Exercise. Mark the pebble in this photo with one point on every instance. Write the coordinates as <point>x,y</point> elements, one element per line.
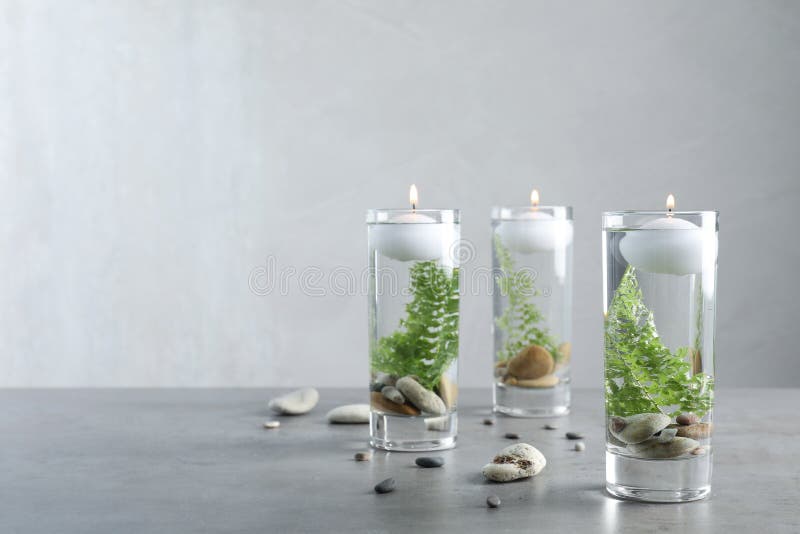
<point>637,428</point>
<point>297,402</point>
<point>574,435</point>
<point>531,362</point>
<point>427,401</point>
<point>382,404</point>
<point>349,414</point>
<point>493,501</point>
<point>363,456</point>
<point>448,391</point>
<point>667,435</point>
<point>385,486</point>
<point>686,419</point>
<point>520,460</point>
<point>653,448</point>
<point>386,379</point>
<point>511,435</point>
<point>580,446</point>
<point>429,461</point>
<point>695,431</point>
<point>488,422</point>
<point>439,424</point>
<point>272,424</point>
<point>546,381</point>
<point>393,394</point>
<point>614,441</point>
<point>698,451</point>
<point>551,426</point>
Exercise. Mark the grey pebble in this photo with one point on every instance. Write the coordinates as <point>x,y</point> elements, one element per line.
<point>667,435</point>
<point>429,461</point>
<point>574,435</point>
<point>425,400</point>
<point>493,501</point>
<point>385,486</point>
<point>550,426</point>
<point>638,427</point>
<point>512,435</point>
<point>580,446</point>
<point>393,394</point>
<point>386,379</point>
<point>363,456</point>
<point>488,422</point>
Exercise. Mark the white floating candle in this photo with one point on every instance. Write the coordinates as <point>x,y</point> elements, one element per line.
<point>665,246</point>
<point>410,236</point>
<point>537,232</point>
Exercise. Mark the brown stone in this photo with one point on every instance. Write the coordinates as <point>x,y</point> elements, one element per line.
<point>697,361</point>
<point>382,404</point>
<point>448,391</point>
<point>686,419</point>
<point>695,431</point>
<point>531,362</point>
<point>617,424</point>
<point>510,380</point>
<point>546,381</point>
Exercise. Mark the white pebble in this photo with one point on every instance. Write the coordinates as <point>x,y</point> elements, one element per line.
<point>440,424</point>
<point>272,424</point>
<point>580,446</point>
<point>515,461</point>
<point>349,414</point>
<point>296,402</point>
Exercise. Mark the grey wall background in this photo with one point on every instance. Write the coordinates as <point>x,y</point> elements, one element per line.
<point>152,154</point>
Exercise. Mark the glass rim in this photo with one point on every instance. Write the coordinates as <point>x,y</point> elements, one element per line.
<point>516,213</point>
<point>660,212</point>
<point>447,215</point>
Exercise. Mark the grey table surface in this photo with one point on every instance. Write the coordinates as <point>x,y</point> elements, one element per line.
<point>200,461</point>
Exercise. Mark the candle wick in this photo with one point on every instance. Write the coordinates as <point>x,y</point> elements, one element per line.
<point>413,207</point>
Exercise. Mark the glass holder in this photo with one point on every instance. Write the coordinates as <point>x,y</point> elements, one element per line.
<point>532,310</point>
<point>659,303</point>
<point>413,328</point>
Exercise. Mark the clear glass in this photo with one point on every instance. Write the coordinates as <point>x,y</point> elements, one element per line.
<point>660,273</point>
<point>532,303</point>
<point>413,328</point>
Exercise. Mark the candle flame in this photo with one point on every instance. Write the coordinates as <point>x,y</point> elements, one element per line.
<point>413,196</point>
<point>535,198</point>
<point>670,203</point>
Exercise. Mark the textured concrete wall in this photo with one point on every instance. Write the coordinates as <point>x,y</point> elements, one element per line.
<point>153,154</point>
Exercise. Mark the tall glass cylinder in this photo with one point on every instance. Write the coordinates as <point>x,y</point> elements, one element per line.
<point>413,328</point>
<point>532,271</point>
<point>660,274</point>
